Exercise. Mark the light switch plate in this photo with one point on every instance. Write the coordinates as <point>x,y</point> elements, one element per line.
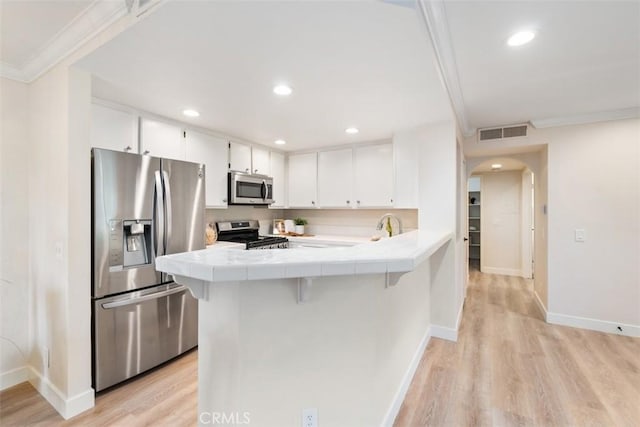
<point>580,235</point>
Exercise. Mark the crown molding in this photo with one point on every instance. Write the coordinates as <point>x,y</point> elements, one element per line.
<point>433,15</point>
<point>95,18</point>
<point>601,116</point>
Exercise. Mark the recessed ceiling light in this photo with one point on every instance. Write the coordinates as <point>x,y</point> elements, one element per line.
<point>496,166</point>
<point>520,38</point>
<point>282,90</point>
<point>190,113</point>
<point>279,142</point>
<point>351,131</point>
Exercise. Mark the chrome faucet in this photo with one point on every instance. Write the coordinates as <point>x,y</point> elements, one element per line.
<point>388,215</point>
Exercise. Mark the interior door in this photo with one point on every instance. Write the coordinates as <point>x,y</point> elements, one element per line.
<point>184,190</point>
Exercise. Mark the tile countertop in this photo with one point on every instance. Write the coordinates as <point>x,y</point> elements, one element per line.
<point>398,254</point>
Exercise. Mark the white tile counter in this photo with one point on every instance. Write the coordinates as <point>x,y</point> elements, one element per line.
<point>392,255</point>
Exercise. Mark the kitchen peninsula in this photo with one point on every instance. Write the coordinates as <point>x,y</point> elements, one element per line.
<point>340,330</point>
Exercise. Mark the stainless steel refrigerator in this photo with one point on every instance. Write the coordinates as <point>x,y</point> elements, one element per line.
<point>142,207</point>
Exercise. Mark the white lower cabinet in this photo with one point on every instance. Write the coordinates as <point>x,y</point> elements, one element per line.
<point>159,139</point>
<point>303,169</point>
<point>113,129</point>
<point>373,175</point>
<point>277,168</point>
<point>335,178</point>
<point>213,152</point>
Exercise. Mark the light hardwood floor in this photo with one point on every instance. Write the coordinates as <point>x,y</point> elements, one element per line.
<point>163,397</point>
<point>510,368</point>
<point>507,368</point>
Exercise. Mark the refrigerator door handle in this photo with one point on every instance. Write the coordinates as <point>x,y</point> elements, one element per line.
<point>159,216</point>
<point>155,295</point>
<point>167,190</point>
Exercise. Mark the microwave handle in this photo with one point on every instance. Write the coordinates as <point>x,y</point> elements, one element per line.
<point>264,189</point>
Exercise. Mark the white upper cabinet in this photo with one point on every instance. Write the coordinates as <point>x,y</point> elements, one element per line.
<point>213,152</point>
<point>160,139</point>
<point>373,172</point>
<point>113,129</point>
<point>302,180</point>
<point>335,178</point>
<point>239,157</point>
<point>260,161</point>
<point>277,168</point>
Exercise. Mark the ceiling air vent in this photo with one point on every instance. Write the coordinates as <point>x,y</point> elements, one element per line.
<point>501,133</point>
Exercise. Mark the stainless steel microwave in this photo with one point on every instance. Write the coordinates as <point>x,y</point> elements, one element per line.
<point>250,189</point>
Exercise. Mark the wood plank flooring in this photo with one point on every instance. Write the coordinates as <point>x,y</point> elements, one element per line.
<point>167,396</point>
<point>510,368</point>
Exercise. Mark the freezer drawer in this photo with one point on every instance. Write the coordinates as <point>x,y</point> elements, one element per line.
<point>139,330</point>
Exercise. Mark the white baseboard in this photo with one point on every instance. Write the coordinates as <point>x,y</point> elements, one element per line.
<point>540,305</point>
<point>398,398</point>
<point>459,319</point>
<point>13,377</point>
<point>593,324</point>
<point>67,407</point>
<point>445,333</point>
<point>502,271</point>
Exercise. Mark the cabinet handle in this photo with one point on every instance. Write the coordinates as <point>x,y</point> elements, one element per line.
<point>391,200</point>
<point>358,201</point>
<point>313,202</point>
<point>255,171</point>
<point>127,148</point>
<point>146,152</point>
<point>224,200</point>
<point>348,201</point>
<point>247,170</point>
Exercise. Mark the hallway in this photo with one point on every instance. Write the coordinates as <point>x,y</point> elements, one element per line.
<point>511,368</point>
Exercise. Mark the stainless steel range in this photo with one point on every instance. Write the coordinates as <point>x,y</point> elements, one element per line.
<point>247,232</point>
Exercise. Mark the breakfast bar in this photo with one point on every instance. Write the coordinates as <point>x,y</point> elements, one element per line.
<point>335,330</point>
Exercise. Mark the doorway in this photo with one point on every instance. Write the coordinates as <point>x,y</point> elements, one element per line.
<point>500,218</point>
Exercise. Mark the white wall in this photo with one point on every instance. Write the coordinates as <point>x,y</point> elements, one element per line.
<point>14,232</point>
<point>540,272</point>
<point>500,227</point>
<point>594,184</point>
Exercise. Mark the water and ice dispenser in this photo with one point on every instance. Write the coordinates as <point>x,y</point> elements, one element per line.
<point>130,243</point>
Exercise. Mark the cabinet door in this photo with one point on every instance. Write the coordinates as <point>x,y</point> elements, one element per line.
<point>213,152</point>
<point>277,172</point>
<point>239,157</point>
<point>335,178</point>
<point>374,175</point>
<point>160,139</point>
<point>260,161</point>
<point>302,180</point>
<point>113,129</point>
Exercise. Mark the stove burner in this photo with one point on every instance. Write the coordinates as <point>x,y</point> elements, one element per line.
<point>247,232</point>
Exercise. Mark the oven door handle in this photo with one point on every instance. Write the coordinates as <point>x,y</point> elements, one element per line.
<point>263,189</point>
<point>155,295</point>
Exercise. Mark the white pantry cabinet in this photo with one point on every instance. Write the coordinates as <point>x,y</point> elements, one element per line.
<point>161,139</point>
<point>277,167</point>
<point>113,129</point>
<point>260,161</point>
<point>239,157</point>
<point>335,178</point>
<point>213,152</point>
<point>303,180</point>
<point>373,175</point>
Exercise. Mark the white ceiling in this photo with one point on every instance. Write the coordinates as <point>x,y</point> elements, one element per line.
<point>368,64</point>
<point>26,27</point>
<point>508,164</point>
<point>585,59</point>
<point>362,64</point>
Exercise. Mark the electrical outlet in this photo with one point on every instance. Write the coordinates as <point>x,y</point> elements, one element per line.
<point>310,417</point>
